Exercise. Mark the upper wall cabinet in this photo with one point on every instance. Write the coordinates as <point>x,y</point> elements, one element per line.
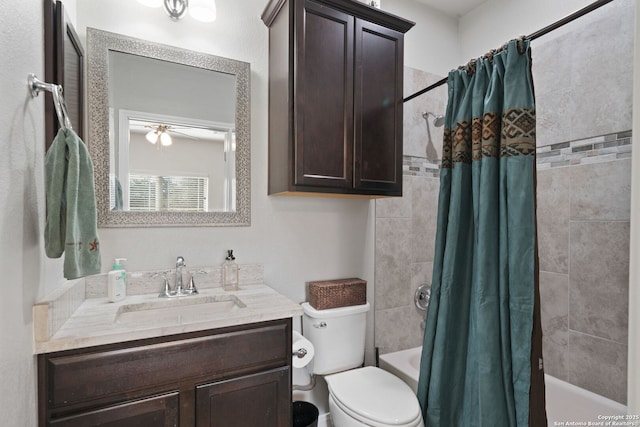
<point>335,98</point>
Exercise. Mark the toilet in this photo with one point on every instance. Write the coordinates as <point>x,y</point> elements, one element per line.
<point>358,396</point>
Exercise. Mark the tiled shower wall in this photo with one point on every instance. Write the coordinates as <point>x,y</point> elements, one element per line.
<point>583,230</point>
<point>405,226</point>
<point>582,77</point>
<point>583,81</point>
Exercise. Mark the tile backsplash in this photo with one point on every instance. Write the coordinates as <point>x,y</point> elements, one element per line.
<point>147,282</point>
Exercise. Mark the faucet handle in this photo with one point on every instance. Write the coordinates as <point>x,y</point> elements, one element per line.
<point>166,291</point>
<point>180,262</point>
<point>191,289</point>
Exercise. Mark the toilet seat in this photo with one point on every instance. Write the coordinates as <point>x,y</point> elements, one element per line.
<point>375,397</point>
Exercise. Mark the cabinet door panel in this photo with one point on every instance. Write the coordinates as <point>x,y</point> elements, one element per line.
<point>378,108</point>
<point>323,115</point>
<point>262,399</point>
<point>158,411</point>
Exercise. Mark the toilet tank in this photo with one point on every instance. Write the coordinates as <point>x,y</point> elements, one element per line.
<point>337,335</point>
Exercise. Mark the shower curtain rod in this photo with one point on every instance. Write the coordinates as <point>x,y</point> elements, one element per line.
<point>578,14</point>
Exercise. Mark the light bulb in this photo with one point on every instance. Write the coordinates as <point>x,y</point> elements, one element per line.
<point>165,139</point>
<point>203,10</point>
<point>152,136</point>
<point>151,3</point>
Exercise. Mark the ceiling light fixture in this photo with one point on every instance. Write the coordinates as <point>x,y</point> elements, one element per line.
<point>165,139</point>
<point>201,10</point>
<point>152,136</point>
<point>159,132</point>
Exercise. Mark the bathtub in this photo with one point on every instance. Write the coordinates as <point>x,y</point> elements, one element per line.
<point>565,402</point>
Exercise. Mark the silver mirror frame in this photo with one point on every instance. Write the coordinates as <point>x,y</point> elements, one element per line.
<point>99,43</point>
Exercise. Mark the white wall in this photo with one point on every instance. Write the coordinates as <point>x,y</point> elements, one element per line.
<point>432,44</point>
<point>28,274</point>
<point>495,22</point>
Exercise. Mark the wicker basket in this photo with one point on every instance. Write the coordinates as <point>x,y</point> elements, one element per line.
<point>337,293</point>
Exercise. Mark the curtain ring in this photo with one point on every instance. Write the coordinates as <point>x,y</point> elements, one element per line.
<point>520,44</point>
<point>489,55</point>
<point>471,67</point>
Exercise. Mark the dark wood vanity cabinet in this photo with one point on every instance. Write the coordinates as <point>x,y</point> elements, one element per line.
<point>335,98</point>
<point>237,376</point>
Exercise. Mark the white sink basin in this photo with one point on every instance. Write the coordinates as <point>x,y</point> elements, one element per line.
<point>179,311</point>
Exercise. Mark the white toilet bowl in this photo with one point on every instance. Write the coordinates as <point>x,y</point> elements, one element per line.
<point>358,397</point>
<point>372,397</point>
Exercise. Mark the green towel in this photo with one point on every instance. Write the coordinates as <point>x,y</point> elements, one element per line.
<point>71,206</point>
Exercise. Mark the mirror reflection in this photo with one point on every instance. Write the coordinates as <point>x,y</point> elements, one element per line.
<point>174,141</point>
<point>169,131</point>
<point>150,175</point>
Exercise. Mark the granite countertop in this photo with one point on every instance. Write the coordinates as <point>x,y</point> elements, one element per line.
<point>97,321</point>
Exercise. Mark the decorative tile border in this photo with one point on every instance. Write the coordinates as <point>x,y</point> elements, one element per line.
<point>420,166</point>
<point>585,151</point>
<point>597,149</point>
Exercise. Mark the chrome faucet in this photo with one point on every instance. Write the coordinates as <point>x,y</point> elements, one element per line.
<point>178,290</point>
<point>180,264</point>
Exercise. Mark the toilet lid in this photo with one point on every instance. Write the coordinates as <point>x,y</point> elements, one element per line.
<point>372,394</point>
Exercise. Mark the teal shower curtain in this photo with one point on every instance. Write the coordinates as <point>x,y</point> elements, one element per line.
<point>481,360</point>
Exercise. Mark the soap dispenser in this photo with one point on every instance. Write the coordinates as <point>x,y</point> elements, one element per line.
<point>117,281</point>
<point>230,272</point>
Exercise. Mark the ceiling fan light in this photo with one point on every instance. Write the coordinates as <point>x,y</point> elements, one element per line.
<point>165,139</point>
<point>152,136</point>
<point>203,10</point>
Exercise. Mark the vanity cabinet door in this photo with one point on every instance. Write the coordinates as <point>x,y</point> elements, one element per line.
<point>262,399</point>
<point>158,411</point>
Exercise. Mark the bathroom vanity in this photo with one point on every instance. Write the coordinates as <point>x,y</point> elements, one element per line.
<point>236,376</point>
<point>213,359</point>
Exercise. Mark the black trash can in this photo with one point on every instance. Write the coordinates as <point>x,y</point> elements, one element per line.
<point>305,414</point>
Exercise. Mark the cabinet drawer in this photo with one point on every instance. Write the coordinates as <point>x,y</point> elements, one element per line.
<point>158,411</point>
<point>126,370</point>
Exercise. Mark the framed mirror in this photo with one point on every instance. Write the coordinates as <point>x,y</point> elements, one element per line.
<point>169,134</point>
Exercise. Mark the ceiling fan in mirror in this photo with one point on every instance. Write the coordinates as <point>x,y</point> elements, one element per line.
<point>161,132</point>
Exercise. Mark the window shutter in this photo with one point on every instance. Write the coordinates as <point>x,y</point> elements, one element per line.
<point>168,193</point>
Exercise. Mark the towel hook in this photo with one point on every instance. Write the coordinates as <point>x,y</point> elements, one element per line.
<point>36,86</point>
